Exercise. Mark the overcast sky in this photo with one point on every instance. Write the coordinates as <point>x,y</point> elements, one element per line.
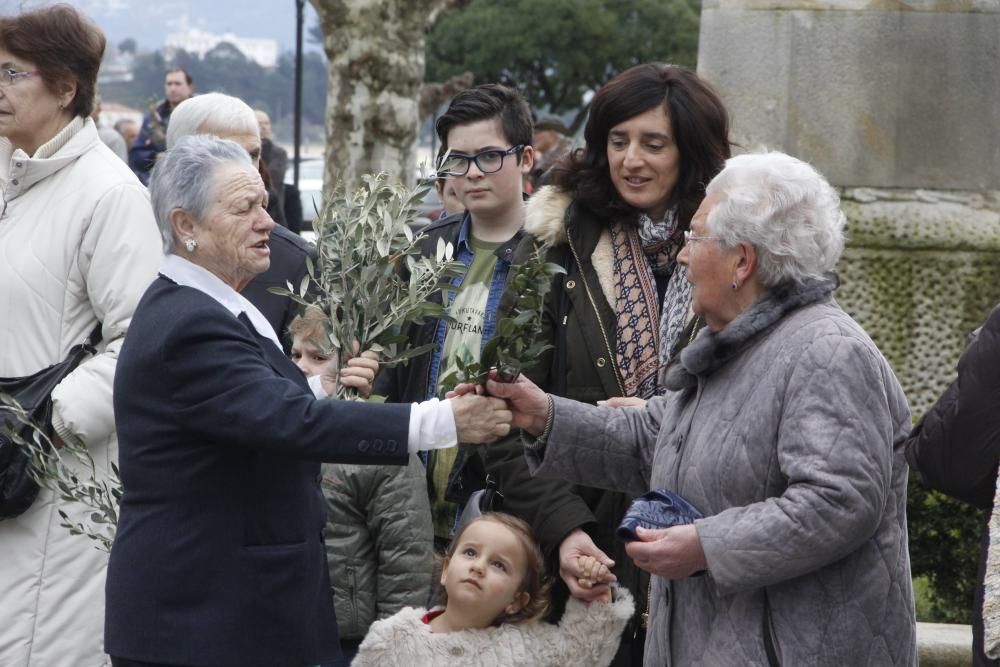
<point>149,21</point>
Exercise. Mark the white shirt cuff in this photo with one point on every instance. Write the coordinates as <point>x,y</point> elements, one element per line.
<point>432,426</point>
<point>316,384</point>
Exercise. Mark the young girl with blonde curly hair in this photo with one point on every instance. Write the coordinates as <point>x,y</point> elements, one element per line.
<point>494,594</point>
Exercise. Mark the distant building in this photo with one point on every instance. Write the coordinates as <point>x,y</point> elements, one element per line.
<point>197,42</point>
<point>116,68</point>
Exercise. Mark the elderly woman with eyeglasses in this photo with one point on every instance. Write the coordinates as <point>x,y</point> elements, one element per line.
<point>783,425</point>
<point>78,245</point>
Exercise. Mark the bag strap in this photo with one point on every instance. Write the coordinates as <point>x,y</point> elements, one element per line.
<point>95,336</point>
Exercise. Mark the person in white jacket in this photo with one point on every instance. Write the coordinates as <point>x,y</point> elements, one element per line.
<point>78,246</point>
<point>495,593</point>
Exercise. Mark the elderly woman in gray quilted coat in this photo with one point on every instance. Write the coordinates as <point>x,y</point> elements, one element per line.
<point>784,427</point>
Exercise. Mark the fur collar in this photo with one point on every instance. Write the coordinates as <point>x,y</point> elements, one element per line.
<point>713,349</point>
<point>545,215</point>
<point>545,219</point>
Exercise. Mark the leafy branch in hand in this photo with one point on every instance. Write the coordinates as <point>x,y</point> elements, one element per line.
<point>70,471</point>
<point>370,278</point>
<point>515,345</point>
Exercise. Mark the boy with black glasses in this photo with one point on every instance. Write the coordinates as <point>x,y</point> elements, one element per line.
<point>486,133</point>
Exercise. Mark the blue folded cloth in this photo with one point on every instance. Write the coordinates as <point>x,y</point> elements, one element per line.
<point>657,509</point>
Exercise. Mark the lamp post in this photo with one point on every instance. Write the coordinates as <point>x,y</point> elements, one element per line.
<point>299,10</point>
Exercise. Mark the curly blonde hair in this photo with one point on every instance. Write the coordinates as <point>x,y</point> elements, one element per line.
<point>535,583</point>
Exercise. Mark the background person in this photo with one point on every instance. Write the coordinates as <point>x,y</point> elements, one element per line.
<point>378,535</point>
<point>494,593</point>
<point>228,117</point>
<point>552,144</point>
<point>784,426</point>
<point>273,156</point>
<point>955,447</point>
<point>129,130</point>
<point>78,245</point>
<point>615,220</point>
<point>178,86</point>
<point>218,557</point>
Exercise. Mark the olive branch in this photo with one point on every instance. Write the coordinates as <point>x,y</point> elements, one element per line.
<point>70,472</point>
<point>370,277</point>
<point>515,345</point>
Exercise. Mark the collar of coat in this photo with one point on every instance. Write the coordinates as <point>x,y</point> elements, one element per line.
<point>545,218</point>
<point>713,349</point>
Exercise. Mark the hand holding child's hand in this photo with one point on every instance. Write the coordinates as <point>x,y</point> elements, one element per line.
<point>592,572</point>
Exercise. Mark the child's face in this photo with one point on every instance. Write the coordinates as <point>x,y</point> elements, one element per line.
<point>486,572</point>
<point>308,357</point>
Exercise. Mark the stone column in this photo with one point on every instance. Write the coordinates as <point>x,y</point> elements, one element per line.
<point>898,103</point>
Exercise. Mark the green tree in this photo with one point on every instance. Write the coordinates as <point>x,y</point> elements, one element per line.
<point>557,51</point>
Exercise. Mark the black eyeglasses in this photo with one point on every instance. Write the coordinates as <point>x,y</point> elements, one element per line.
<point>488,162</point>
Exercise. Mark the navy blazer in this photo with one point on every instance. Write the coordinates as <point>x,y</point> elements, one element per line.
<point>218,557</point>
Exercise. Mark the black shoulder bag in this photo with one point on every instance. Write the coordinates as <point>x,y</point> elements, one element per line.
<point>34,393</point>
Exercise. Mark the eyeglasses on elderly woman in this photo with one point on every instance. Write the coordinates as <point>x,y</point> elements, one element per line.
<point>690,238</point>
<point>8,77</point>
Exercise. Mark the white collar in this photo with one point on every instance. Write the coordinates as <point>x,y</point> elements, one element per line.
<point>189,274</point>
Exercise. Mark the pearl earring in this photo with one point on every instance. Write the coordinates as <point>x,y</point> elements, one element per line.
<point>190,244</point>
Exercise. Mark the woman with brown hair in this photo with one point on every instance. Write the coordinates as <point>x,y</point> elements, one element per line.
<point>78,245</point>
<point>615,219</point>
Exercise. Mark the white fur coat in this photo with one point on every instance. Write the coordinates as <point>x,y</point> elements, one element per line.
<point>587,636</point>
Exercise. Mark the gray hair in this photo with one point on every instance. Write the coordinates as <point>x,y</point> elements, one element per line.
<point>785,209</point>
<point>211,113</point>
<point>184,177</point>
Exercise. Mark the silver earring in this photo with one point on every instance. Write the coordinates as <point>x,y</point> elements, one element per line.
<point>734,284</point>
<point>191,244</point>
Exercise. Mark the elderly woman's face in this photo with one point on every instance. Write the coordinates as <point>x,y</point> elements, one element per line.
<point>30,113</point>
<point>233,237</point>
<point>711,270</point>
<point>644,161</point>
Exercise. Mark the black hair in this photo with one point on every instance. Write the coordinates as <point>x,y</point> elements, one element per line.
<point>485,102</point>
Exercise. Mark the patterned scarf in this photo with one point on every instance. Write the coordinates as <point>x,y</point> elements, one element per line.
<point>639,252</point>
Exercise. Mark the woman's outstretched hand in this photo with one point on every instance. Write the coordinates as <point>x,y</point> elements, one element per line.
<point>528,404</point>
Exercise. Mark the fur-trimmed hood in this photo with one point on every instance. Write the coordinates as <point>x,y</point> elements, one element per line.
<point>545,215</point>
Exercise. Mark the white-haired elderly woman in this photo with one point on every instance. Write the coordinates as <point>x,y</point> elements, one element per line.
<point>218,558</point>
<point>783,426</point>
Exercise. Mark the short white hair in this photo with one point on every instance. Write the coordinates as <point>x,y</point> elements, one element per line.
<point>184,177</point>
<point>785,209</point>
<point>211,113</point>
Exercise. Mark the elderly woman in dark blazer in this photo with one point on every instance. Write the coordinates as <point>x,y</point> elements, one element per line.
<point>783,425</point>
<point>219,558</point>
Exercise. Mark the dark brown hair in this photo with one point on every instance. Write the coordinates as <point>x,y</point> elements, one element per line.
<point>535,583</point>
<point>699,124</point>
<point>63,44</point>
<point>486,102</point>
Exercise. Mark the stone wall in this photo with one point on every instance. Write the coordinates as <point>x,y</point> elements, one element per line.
<point>898,103</point>
<point>921,271</point>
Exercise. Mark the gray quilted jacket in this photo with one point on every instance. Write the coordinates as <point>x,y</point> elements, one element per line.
<point>786,430</point>
<point>379,541</point>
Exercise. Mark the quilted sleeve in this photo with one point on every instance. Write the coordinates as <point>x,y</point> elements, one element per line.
<point>841,414</point>
<point>119,257</point>
<point>607,448</point>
